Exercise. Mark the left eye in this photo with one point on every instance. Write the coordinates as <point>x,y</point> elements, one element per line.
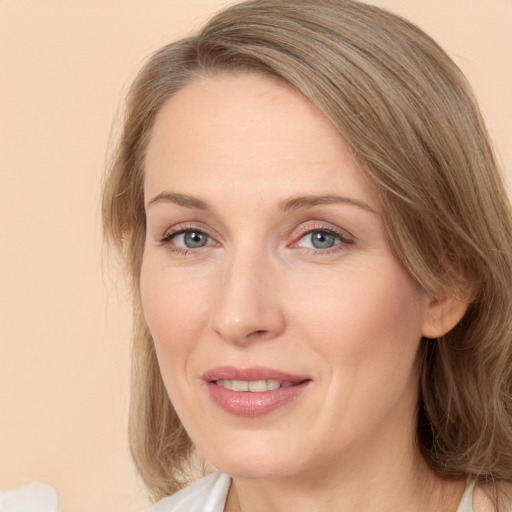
<point>319,240</point>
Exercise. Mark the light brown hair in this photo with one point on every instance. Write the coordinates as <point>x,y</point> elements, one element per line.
<point>411,120</point>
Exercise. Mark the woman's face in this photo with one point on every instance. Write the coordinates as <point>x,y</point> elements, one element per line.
<point>286,331</point>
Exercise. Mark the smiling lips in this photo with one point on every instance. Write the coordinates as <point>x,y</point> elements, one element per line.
<point>253,391</point>
<point>254,386</point>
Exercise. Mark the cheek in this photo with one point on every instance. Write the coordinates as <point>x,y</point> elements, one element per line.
<point>175,310</point>
<point>370,319</point>
<point>368,338</point>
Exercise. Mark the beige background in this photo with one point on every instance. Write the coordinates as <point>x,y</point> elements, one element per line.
<point>64,329</point>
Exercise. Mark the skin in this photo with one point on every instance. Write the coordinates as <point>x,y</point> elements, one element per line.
<point>240,148</point>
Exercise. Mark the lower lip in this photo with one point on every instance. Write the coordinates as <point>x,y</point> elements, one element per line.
<point>249,404</point>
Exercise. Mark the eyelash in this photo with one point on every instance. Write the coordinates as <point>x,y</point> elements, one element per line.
<point>168,236</point>
<point>342,237</point>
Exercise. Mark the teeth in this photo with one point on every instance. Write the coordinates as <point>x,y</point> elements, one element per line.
<point>253,386</point>
<point>240,385</point>
<point>257,385</point>
<point>273,384</point>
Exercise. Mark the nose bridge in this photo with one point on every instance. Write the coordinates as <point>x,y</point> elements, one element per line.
<point>246,306</point>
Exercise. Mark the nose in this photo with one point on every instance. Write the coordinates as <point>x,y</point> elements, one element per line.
<point>248,306</point>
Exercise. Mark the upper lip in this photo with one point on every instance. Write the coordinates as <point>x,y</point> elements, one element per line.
<point>252,373</point>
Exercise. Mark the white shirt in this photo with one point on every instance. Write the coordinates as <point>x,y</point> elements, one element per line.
<point>34,497</point>
<point>209,495</point>
<point>206,495</point>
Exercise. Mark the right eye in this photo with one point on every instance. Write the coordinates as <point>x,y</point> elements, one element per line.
<point>188,239</point>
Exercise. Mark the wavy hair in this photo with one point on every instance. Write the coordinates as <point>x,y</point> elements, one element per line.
<point>412,122</point>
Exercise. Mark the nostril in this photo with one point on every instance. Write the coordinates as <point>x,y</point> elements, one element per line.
<point>258,333</point>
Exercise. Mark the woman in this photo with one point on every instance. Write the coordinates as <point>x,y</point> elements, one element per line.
<point>319,243</point>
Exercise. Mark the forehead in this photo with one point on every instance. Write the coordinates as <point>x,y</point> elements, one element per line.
<point>246,129</point>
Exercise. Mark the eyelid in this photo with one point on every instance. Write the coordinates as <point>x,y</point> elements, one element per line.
<point>174,234</point>
<point>344,235</point>
<point>180,227</point>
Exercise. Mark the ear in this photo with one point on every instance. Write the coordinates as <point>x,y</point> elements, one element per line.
<point>442,316</point>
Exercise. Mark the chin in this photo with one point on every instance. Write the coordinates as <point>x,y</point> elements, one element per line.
<point>257,469</point>
<point>255,461</point>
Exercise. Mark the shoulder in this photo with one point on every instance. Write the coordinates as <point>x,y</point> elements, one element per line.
<point>205,495</point>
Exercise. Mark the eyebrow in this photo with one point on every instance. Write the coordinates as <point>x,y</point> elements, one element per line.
<point>308,201</point>
<point>180,199</point>
<point>293,203</point>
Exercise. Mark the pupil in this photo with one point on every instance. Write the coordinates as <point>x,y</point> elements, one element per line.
<point>321,240</point>
<point>194,239</point>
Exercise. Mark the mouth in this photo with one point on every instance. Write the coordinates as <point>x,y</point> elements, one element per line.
<point>255,386</point>
<point>254,391</point>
